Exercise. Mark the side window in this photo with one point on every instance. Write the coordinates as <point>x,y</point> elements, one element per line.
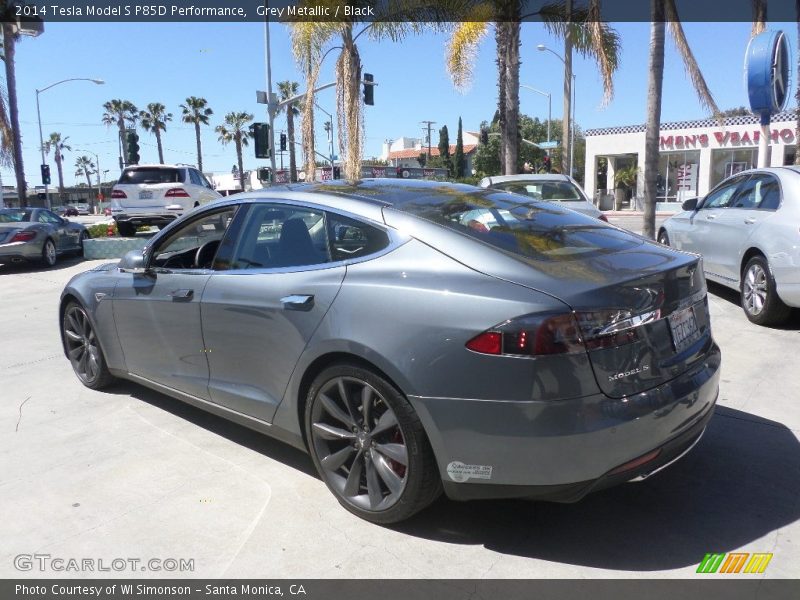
<point>280,235</point>
<point>722,196</point>
<point>194,176</point>
<point>747,196</point>
<point>769,193</point>
<point>205,182</point>
<point>194,245</point>
<point>353,239</point>
<point>47,217</point>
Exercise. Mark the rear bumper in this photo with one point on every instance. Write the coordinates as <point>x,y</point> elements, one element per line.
<point>20,251</point>
<point>562,450</point>
<point>145,218</point>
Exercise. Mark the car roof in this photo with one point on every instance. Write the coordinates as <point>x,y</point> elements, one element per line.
<point>525,177</point>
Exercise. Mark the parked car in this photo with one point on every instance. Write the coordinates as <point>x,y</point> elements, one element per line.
<point>746,229</point>
<point>37,234</point>
<point>70,211</point>
<point>82,208</point>
<point>549,187</point>
<point>407,352</point>
<point>157,195</point>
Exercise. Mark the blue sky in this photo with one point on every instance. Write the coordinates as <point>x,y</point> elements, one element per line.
<point>224,63</point>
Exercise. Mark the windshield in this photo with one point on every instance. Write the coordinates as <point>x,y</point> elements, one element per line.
<point>548,191</point>
<point>151,175</point>
<point>10,215</point>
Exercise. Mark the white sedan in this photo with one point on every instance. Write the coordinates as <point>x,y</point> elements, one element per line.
<point>748,231</point>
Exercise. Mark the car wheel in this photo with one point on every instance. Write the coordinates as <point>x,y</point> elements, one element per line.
<point>663,237</point>
<point>369,446</point>
<point>49,253</point>
<point>84,236</point>
<point>126,229</point>
<point>759,297</point>
<point>83,348</point>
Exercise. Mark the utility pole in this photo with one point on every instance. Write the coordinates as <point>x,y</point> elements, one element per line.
<point>429,124</point>
<point>271,108</point>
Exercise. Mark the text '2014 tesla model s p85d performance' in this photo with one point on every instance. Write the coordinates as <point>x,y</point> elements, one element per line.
<point>543,356</point>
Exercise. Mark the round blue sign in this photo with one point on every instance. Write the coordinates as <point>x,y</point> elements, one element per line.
<point>767,73</point>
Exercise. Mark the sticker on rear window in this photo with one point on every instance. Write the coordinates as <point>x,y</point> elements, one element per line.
<point>460,472</point>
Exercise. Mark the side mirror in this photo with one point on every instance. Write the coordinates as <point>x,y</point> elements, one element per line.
<point>690,204</point>
<point>132,262</point>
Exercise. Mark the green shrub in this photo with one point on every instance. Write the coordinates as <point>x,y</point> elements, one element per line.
<point>100,230</point>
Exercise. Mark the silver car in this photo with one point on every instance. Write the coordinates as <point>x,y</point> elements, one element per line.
<point>408,352</point>
<point>550,187</point>
<point>37,234</point>
<point>746,229</point>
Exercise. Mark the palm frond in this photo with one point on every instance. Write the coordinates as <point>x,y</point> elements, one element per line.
<point>462,50</point>
<point>759,17</point>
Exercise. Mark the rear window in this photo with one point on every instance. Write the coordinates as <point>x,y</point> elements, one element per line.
<point>14,216</point>
<point>548,191</point>
<point>146,175</point>
<point>527,229</point>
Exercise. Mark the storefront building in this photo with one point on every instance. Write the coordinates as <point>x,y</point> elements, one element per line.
<point>694,156</point>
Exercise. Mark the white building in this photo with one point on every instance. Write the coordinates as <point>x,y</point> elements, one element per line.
<point>694,155</point>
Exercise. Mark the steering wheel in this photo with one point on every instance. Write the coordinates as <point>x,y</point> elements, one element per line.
<point>204,257</point>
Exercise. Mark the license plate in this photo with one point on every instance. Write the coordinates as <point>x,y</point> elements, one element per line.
<point>684,328</point>
<point>145,195</point>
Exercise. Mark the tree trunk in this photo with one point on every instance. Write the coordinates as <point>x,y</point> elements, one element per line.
<point>566,122</point>
<point>121,126</point>
<point>60,168</point>
<point>290,128</point>
<point>502,72</point>
<point>655,82</point>
<point>9,46</point>
<point>89,183</point>
<point>199,149</point>
<point>349,106</point>
<point>239,160</point>
<point>511,133</point>
<point>158,143</point>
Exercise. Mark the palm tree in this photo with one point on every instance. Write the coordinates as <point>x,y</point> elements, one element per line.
<point>58,145</point>
<point>154,120</point>
<point>288,89</point>
<point>582,30</point>
<point>393,21</point>
<point>119,112</point>
<point>12,137</point>
<point>236,130</point>
<point>659,11</point>
<point>85,167</point>
<point>196,111</point>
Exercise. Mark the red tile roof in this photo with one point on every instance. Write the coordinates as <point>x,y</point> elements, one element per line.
<point>415,152</point>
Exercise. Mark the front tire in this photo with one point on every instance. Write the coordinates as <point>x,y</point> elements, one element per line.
<point>49,256</point>
<point>759,295</point>
<point>83,348</point>
<point>126,229</point>
<point>368,445</point>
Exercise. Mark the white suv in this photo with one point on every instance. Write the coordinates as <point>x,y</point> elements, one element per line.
<point>157,195</point>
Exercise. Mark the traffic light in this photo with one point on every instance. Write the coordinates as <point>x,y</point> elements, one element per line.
<point>283,142</point>
<point>45,174</point>
<point>484,135</point>
<point>369,89</point>
<point>261,136</point>
<point>132,147</point>
<point>264,174</point>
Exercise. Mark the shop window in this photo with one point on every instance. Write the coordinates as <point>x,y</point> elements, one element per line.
<point>727,162</point>
<point>678,175</point>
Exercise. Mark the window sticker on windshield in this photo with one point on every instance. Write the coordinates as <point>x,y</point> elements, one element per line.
<point>460,472</point>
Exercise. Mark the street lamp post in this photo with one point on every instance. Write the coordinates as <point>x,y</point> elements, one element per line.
<point>39,117</point>
<point>549,105</point>
<point>568,74</point>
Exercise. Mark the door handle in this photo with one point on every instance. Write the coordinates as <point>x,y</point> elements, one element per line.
<point>298,302</point>
<point>749,221</point>
<point>181,295</point>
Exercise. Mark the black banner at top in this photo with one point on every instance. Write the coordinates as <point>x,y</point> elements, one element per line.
<point>421,11</point>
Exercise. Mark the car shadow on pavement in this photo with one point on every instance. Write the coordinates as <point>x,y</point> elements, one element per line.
<point>741,482</point>
<point>238,434</point>
<point>732,296</point>
<point>63,262</point>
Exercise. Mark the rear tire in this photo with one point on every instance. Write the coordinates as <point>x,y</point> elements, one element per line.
<point>759,295</point>
<point>126,229</point>
<point>49,256</point>
<point>83,348</point>
<point>663,237</point>
<point>368,445</point>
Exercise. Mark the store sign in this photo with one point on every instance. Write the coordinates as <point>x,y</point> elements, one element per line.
<point>724,139</point>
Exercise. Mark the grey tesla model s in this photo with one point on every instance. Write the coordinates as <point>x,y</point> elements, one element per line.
<point>410,345</point>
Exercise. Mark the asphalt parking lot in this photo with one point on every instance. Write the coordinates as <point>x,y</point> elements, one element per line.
<point>129,473</point>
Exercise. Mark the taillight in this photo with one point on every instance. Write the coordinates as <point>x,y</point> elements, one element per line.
<point>118,194</point>
<point>561,333</point>
<point>602,217</point>
<point>23,236</point>
<point>176,193</point>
